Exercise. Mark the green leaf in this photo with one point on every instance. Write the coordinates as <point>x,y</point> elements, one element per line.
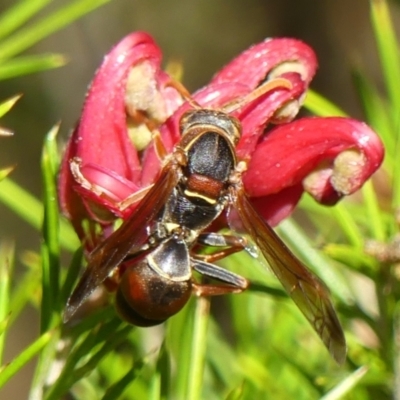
<point>261,287</point>
<point>115,391</point>
<point>9,370</point>
<point>374,214</point>
<point>31,210</point>
<point>30,64</point>
<point>90,350</point>
<point>198,349</point>
<point>47,360</point>
<point>377,112</point>
<point>26,37</point>
<point>348,224</point>
<point>51,244</point>
<point>18,14</point>
<point>346,385</point>
<point>6,263</point>
<point>353,258</point>
<point>301,245</point>
<point>6,105</point>
<point>236,394</point>
<point>388,48</point>
<point>160,386</point>
<point>26,291</point>
<point>222,357</point>
<point>321,106</point>
<point>5,172</point>
<point>179,339</point>
<point>72,275</point>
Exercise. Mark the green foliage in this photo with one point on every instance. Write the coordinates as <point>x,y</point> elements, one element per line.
<point>17,34</point>
<point>264,348</point>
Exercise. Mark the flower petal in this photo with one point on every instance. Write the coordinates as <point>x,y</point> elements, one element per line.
<point>102,133</point>
<point>276,207</point>
<point>269,59</point>
<point>283,57</point>
<point>128,87</point>
<point>288,58</point>
<point>292,151</point>
<point>279,106</point>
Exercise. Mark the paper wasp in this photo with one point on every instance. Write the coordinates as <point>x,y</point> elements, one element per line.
<point>153,252</point>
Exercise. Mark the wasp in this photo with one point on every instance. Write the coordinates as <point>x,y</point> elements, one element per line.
<point>153,252</point>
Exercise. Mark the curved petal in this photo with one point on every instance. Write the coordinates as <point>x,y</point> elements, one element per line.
<point>70,202</point>
<point>102,132</point>
<point>292,151</point>
<point>128,80</point>
<point>279,106</point>
<point>276,207</point>
<point>254,115</point>
<point>268,59</point>
<point>288,58</point>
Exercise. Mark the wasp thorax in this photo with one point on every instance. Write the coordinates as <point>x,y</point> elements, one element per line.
<point>211,120</point>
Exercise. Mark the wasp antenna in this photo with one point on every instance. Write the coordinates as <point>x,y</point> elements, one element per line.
<point>267,86</point>
<point>180,88</point>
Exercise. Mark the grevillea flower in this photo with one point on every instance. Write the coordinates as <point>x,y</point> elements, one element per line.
<point>102,167</point>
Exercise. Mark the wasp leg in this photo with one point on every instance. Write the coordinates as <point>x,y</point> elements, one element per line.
<point>235,282</point>
<point>158,144</point>
<point>140,117</point>
<point>206,290</point>
<point>134,198</point>
<point>233,243</point>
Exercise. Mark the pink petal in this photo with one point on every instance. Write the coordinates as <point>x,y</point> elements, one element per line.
<point>272,57</point>
<point>129,78</point>
<point>290,152</point>
<point>102,135</point>
<point>282,57</point>
<point>278,206</point>
<point>257,115</point>
<point>70,202</point>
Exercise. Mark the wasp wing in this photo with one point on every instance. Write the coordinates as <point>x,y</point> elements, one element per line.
<point>128,238</point>
<point>308,292</point>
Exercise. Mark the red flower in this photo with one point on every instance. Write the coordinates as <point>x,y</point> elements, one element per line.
<point>101,165</point>
<point>328,157</point>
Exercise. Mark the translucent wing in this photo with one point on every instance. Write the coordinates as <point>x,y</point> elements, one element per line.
<point>308,292</point>
<point>129,238</point>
